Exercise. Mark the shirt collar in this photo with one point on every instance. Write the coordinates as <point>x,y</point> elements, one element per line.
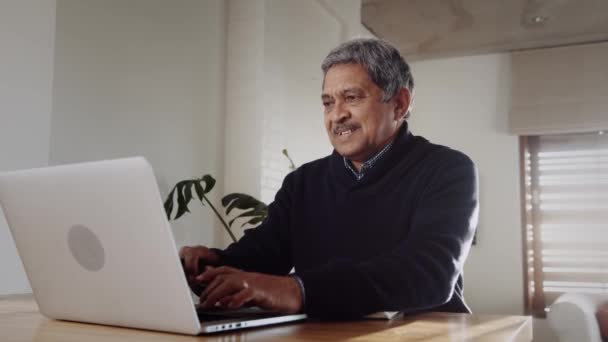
<point>368,164</point>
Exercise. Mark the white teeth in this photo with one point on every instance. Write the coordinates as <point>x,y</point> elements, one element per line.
<point>345,132</point>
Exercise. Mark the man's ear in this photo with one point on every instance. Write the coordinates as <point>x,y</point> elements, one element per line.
<point>402,103</point>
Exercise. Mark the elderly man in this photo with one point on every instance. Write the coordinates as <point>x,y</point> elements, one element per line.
<point>384,223</point>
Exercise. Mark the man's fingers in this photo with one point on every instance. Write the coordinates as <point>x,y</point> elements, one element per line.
<point>245,296</point>
<point>212,272</point>
<point>224,301</point>
<point>194,257</point>
<point>212,277</point>
<point>225,288</point>
<point>208,275</point>
<point>182,255</point>
<point>234,289</point>
<point>210,287</point>
<point>189,264</point>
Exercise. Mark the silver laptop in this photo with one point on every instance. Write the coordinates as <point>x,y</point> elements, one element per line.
<point>97,248</point>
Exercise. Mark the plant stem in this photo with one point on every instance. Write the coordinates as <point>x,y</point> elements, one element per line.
<point>292,166</point>
<point>221,219</point>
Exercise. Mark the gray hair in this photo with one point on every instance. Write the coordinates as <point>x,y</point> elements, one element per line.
<point>383,62</point>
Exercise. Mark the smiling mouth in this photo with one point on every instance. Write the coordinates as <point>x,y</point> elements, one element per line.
<point>346,133</point>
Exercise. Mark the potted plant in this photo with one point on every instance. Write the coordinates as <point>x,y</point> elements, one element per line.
<point>253,210</point>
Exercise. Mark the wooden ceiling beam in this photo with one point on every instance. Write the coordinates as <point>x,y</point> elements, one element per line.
<point>443,28</point>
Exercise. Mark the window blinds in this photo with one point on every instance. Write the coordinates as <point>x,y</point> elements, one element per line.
<point>566,227</point>
<point>559,90</point>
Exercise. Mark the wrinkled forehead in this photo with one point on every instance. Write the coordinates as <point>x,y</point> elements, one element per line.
<point>342,77</point>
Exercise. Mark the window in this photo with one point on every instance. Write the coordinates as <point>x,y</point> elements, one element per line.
<point>565,216</point>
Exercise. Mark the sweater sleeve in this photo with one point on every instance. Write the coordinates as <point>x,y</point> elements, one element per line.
<point>421,271</point>
<point>267,247</point>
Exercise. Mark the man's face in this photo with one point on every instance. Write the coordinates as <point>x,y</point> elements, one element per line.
<point>358,123</point>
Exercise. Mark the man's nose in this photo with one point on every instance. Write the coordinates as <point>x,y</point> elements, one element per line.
<point>339,113</point>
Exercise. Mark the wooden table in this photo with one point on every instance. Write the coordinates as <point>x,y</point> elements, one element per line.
<point>20,321</point>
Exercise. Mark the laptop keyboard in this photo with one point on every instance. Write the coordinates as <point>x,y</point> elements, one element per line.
<point>223,314</point>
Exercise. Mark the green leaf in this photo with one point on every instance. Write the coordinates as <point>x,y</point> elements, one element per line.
<point>169,204</point>
<point>256,216</point>
<point>188,192</point>
<point>253,208</point>
<point>199,191</point>
<point>209,182</point>
<point>242,215</point>
<point>243,202</point>
<point>182,204</point>
<point>254,221</point>
<point>229,198</point>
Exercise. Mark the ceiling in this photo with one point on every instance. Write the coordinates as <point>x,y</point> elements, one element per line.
<point>441,28</point>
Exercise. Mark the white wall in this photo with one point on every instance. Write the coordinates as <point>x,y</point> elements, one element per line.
<point>26,72</point>
<point>143,77</point>
<point>298,35</point>
<point>244,94</point>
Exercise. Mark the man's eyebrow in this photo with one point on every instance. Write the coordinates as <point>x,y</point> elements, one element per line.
<point>352,90</point>
<point>356,90</point>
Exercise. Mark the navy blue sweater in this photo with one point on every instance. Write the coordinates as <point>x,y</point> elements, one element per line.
<point>395,240</point>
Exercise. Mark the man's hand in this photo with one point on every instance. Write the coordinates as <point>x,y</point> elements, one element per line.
<point>194,259</point>
<point>232,288</point>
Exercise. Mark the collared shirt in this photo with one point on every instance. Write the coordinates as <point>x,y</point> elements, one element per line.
<point>368,163</point>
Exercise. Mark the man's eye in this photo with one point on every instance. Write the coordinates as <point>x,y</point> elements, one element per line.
<point>327,103</point>
<point>351,98</point>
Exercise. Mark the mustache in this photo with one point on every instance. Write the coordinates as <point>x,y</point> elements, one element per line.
<point>344,127</point>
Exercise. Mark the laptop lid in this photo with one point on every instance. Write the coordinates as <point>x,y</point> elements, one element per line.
<point>96,245</point>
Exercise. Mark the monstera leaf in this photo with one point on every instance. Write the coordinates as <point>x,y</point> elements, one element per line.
<point>253,209</point>
<point>183,191</point>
